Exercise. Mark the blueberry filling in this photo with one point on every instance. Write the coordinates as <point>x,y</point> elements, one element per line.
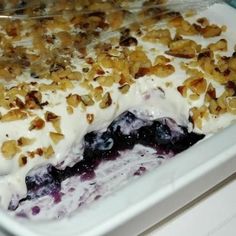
<point>164,135</point>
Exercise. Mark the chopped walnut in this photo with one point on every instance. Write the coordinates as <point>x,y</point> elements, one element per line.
<point>75,76</point>
<point>106,81</point>
<point>9,149</point>
<point>231,105</point>
<point>203,21</point>
<point>115,19</point>
<point>13,28</point>
<point>198,114</point>
<point>197,85</point>
<point>210,93</point>
<point>56,137</point>
<point>210,31</point>
<point>232,63</point>
<point>162,70</point>
<point>48,152</point>
<point>184,48</point>
<point>73,100</point>
<point>106,101</point>
<point>220,45</point>
<point>90,118</point>
<point>39,151</point>
<point>37,124</point>
<point>125,79</point>
<point>19,103</point>
<point>57,125</point>
<point>87,100</point>
<point>183,27</point>
<point>194,97</point>
<point>50,116</point>
<point>97,93</point>
<point>124,88</point>
<point>23,141</point>
<point>142,71</point>
<point>70,110</point>
<point>22,160</point>
<point>126,40</point>
<point>14,115</point>
<point>214,108</point>
<point>161,35</point>
<point>161,60</point>
<point>182,90</point>
<point>33,100</point>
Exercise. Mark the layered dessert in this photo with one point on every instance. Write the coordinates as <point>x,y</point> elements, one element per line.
<point>97,93</point>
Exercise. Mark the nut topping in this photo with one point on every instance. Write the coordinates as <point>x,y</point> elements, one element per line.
<point>50,116</point>
<point>90,118</point>
<point>87,100</point>
<point>56,137</point>
<point>22,141</point>
<point>9,149</point>
<point>37,124</point>
<point>22,160</point>
<point>14,115</point>
<point>48,152</point>
<point>75,65</point>
<point>106,101</point>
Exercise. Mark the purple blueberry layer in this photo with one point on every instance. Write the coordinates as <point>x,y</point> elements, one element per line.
<point>164,135</point>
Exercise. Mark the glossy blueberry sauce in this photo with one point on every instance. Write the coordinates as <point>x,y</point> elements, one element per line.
<point>163,135</point>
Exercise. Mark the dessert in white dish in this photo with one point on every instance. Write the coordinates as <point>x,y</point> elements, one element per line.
<point>65,78</point>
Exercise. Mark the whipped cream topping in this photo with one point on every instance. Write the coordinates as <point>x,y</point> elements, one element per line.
<point>149,96</point>
<point>144,96</point>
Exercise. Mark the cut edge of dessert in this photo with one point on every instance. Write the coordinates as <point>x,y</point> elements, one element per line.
<point>162,135</point>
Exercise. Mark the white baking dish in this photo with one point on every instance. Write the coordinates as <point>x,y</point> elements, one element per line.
<point>157,194</point>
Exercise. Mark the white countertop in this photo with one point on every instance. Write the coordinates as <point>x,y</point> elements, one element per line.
<point>213,214</point>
